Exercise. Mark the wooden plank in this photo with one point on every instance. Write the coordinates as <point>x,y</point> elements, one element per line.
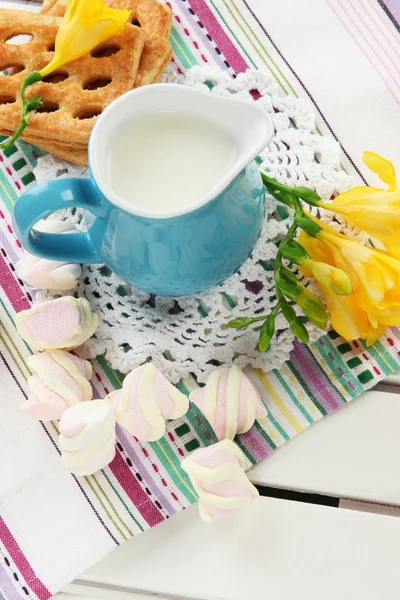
<point>274,549</point>
<point>353,453</point>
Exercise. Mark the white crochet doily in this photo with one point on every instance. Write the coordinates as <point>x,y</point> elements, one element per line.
<point>188,336</point>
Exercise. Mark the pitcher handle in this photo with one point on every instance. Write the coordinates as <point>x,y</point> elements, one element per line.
<point>41,201</point>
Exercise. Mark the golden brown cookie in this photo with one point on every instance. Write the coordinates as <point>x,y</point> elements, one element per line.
<point>157,52</point>
<point>155,19</point>
<point>76,154</point>
<point>75,94</point>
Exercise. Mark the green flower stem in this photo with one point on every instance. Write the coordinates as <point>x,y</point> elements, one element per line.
<point>288,237</point>
<point>286,194</point>
<point>288,288</point>
<point>28,108</point>
<point>276,309</point>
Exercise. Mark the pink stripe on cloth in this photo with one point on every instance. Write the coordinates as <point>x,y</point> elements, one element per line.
<point>21,563</point>
<point>210,22</point>
<point>371,33</point>
<point>394,43</point>
<point>11,288</point>
<point>345,25</point>
<point>133,489</point>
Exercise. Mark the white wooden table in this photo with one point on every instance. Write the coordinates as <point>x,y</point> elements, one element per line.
<point>326,525</point>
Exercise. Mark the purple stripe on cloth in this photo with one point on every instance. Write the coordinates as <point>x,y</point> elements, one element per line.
<point>393,6</point>
<point>314,378</point>
<point>22,563</point>
<point>11,252</point>
<point>7,587</point>
<point>147,478</point>
<point>224,43</point>
<point>256,444</point>
<point>206,41</point>
<point>96,393</point>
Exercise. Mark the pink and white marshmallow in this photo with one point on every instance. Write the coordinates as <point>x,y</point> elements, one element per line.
<point>43,274</point>
<point>147,399</point>
<point>230,402</point>
<point>64,323</point>
<point>87,437</point>
<point>217,475</point>
<point>59,381</point>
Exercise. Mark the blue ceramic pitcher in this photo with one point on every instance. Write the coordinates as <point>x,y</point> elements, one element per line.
<point>178,253</point>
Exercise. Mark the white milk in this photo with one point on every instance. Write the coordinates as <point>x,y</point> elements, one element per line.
<point>166,161</point>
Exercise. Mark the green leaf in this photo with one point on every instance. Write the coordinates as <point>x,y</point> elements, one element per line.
<point>270,182</point>
<point>295,244</point>
<point>308,225</point>
<point>307,195</point>
<point>33,107</point>
<point>293,254</point>
<point>266,333</point>
<point>288,312</point>
<point>33,100</point>
<point>281,196</point>
<point>289,289</point>
<point>299,331</point>
<point>279,191</point>
<point>288,275</point>
<point>241,322</point>
<point>317,315</point>
<point>312,307</point>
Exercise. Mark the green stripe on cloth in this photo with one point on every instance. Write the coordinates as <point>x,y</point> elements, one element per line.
<point>181,50</point>
<point>292,396</point>
<point>171,464</point>
<point>383,358</point>
<point>306,390</point>
<point>115,490</point>
<point>7,192</point>
<point>111,374</point>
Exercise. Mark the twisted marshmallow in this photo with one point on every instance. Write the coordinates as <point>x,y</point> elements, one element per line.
<point>147,399</point>
<point>87,437</point>
<point>60,380</point>
<point>43,274</point>
<point>63,324</point>
<point>217,474</point>
<point>230,402</point>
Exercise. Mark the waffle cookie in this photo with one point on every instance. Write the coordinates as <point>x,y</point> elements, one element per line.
<point>75,94</point>
<point>154,18</point>
<point>74,153</point>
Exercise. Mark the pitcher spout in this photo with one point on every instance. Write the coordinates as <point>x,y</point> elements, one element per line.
<point>248,124</point>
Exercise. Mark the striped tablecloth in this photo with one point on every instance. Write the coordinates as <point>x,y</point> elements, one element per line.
<point>343,55</point>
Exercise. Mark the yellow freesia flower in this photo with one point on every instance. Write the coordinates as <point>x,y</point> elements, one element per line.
<point>86,24</point>
<point>375,275</point>
<point>332,277</point>
<point>374,302</point>
<point>374,210</point>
